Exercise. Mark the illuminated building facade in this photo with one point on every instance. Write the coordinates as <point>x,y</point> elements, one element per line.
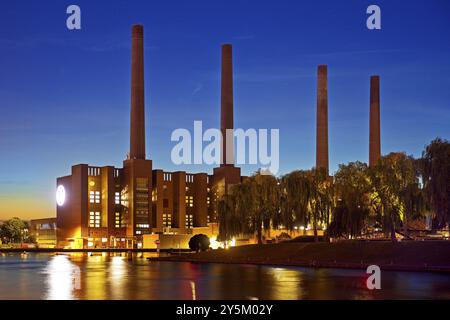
<point>115,207</point>
<point>104,207</point>
<point>44,231</point>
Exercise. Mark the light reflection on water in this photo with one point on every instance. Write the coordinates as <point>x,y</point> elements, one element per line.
<point>63,278</point>
<point>78,276</point>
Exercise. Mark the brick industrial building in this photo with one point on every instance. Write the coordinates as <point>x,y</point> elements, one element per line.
<point>115,207</point>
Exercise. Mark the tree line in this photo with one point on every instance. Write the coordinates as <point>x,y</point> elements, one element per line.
<point>355,201</point>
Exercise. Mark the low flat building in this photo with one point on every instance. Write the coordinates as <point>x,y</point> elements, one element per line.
<point>44,231</point>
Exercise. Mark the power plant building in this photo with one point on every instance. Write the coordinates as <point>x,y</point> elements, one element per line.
<point>108,207</point>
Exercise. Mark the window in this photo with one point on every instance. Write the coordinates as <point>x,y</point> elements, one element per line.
<point>143,226</point>
<point>142,184</point>
<point>94,219</point>
<point>189,221</point>
<point>190,201</point>
<point>118,222</point>
<point>94,196</point>
<point>117,198</point>
<point>208,201</point>
<point>167,220</point>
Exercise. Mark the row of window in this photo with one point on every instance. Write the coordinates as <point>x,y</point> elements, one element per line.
<point>189,221</point>
<point>94,219</point>
<point>142,198</point>
<point>118,222</point>
<point>167,220</point>
<point>94,196</point>
<point>190,201</point>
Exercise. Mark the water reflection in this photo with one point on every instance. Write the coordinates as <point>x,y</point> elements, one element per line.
<point>287,284</point>
<point>117,277</point>
<point>64,278</point>
<point>79,276</point>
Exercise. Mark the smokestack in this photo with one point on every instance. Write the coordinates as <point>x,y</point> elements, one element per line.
<point>137,115</point>
<point>374,135</point>
<point>322,118</point>
<point>226,110</point>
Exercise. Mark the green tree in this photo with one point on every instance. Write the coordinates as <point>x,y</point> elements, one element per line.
<point>435,173</point>
<point>392,180</point>
<point>199,242</point>
<point>321,199</point>
<point>264,203</point>
<point>250,207</point>
<point>230,224</point>
<point>352,187</point>
<point>295,193</point>
<point>14,230</point>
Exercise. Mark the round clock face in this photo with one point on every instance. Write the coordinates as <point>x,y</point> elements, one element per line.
<point>60,195</point>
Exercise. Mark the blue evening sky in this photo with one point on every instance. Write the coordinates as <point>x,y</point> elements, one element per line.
<point>64,95</point>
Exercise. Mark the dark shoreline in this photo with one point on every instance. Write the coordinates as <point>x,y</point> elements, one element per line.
<point>58,250</point>
<point>406,256</point>
<point>404,268</point>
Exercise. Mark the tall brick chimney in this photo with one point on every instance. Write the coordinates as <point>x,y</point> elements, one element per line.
<point>322,118</point>
<point>374,135</point>
<point>137,115</point>
<point>226,110</point>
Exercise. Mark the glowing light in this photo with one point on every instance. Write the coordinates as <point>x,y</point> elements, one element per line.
<point>194,296</point>
<point>213,243</point>
<point>233,242</point>
<point>104,240</point>
<point>302,228</point>
<point>60,195</point>
<point>118,274</point>
<point>63,278</point>
<point>90,244</point>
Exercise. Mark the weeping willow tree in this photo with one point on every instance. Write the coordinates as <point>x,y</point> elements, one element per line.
<point>264,203</point>
<point>321,199</point>
<point>295,194</point>
<point>394,182</point>
<point>229,222</point>
<point>249,208</point>
<point>390,192</point>
<point>435,173</point>
<point>350,216</point>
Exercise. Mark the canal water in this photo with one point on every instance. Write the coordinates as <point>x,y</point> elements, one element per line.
<point>77,276</point>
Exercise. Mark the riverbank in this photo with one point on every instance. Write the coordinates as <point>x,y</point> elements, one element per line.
<point>432,256</point>
<point>94,250</point>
